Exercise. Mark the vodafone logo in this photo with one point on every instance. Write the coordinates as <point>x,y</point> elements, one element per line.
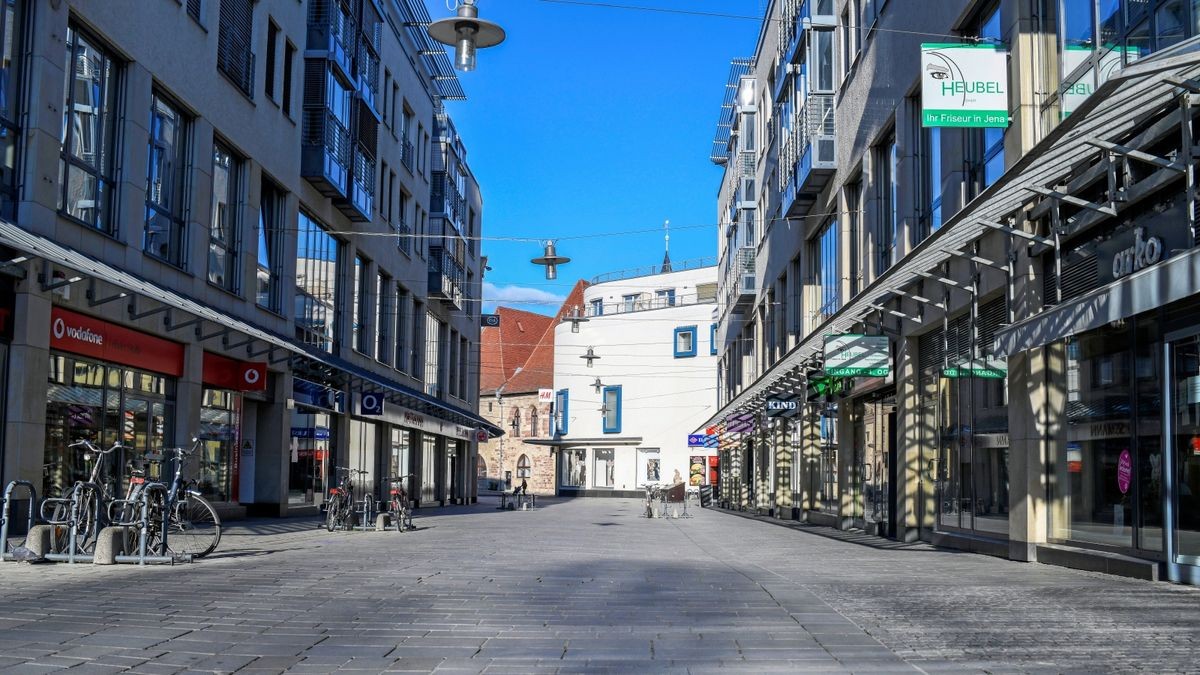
<point>62,331</point>
<point>59,328</point>
<point>251,376</point>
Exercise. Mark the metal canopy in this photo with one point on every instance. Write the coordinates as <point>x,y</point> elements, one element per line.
<point>577,442</point>
<point>737,68</point>
<point>432,54</point>
<point>308,360</point>
<point>1111,112</point>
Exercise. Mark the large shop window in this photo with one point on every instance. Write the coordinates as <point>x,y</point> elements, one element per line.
<point>12,29</point>
<point>574,470</point>
<point>317,313</point>
<point>104,403</point>
<point>1106,463</point>
<point>312,444</point>
<point>605,467</point>
<point>220,431</point>
<point>400,457</point>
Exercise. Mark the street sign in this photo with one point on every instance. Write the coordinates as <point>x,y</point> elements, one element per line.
<point>986,369</point>
<point>481,435</point>
<point>489,320</point>
<point>698,440</point>
<point>781,407</point>
<point>857,355</point>
<point>964,85</point>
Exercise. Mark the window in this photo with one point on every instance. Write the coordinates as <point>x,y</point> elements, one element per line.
<point>562,412</point>
<point>611,409</point>
<point>685,341</point>
<point>269,66</point>
<point>360,305</point>
<point>853,193</point>
<point>387,89</point>
<point>289,58</point>
<point>464,356</point>
<point>224,232</point>
<point>193,9</point>
<point>712,339</point>
<point>706,292</point>
<point>270,258</point>
<point>12,27</point>
<point>534,429</point>
<point>828,270</point>
<point>597,307</point>
<point>317,315</point>
<point>403,231</point>
<point>433,355</point>
<point>605,474</point>
<point>985,147</point>
<point>234,37</point>
<point>88,133</point>
<point>401,327</point>
<point>888,192</point>
<point>629,302</point>
<point>164,235</point>
<point>383,319</point>
<point>514,424</point>
<point>665,297</point>
<point>418,338</point>
<point>929,214</point>
<point>524,468</point>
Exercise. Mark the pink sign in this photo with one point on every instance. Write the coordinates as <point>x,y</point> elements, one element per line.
<point>1124,471</point>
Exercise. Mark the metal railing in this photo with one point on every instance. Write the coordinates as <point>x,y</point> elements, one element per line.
<point>446,275</point>
<point>406,154</point>
<point>446,198</point>
<point>366,66</point>
<point>235,59</point>
<point>740,268</point>
<point>363,177</point>
<point>648,301</point>
<point>813,119</point>
<point>323,128</point>
<point>403,238</point>
<point>650,270</point>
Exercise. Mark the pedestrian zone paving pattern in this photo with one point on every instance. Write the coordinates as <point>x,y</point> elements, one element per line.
<point>587,586</point>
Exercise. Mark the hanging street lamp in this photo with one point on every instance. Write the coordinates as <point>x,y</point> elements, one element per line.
<point>576,318</point>
<point>551,260</point>
<point>590,356</point>
<point>467,33</point>
<point>598,385</point>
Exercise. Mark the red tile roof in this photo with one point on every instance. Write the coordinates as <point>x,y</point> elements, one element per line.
<point>524,340</point>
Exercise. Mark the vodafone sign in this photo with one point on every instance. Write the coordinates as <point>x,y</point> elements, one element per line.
<point>88,336</point>
<point>223,372</point>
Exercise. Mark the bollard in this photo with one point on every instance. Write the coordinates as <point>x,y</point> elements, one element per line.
<point>109,545</point>
<point>38,540</point>
<point>381,521</point>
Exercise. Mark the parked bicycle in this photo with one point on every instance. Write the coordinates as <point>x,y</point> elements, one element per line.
<point>84,505</point>
<point>340,509</point>
<point>193,526</point>
<point>399,512</point>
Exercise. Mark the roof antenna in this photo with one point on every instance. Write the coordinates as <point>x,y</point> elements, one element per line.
<point>666,264</point>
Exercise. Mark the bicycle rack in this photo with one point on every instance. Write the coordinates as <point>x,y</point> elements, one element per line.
<point>364,510</point>
<point>74,554</point>
<point>31,499</point>
<point>140,507</point>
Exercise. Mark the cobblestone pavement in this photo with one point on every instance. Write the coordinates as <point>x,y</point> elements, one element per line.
<point>587,586</point>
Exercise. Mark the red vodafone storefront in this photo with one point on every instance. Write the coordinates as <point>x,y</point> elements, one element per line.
<point>111,383</point>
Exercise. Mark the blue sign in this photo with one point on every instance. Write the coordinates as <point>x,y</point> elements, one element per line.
<point>371,403</point>
<point>701,441</point>
<point>710,441</point>
<point>317,395</point>
<point>314,433</point>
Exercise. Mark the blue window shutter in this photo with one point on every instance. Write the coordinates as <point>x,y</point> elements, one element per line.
<point>712,340</point>
<point>679,354</point>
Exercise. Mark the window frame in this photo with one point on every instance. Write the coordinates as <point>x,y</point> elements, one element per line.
<point>270,233</point>
<point>712,339</point>
<point>104,215</point>
<point>232,247</point>
<point>684,353</point>
<point>562,412</point>
<point>615,412</point>
<point>176,212</point>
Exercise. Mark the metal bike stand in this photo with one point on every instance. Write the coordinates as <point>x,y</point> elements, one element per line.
<point>364,512</point>
<point>142,506</point>
<point>31,499</point>
<point>73,554</point>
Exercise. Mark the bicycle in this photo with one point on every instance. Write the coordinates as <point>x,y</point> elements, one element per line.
<point>193,526</point>
<point>83,505</point>
<point>399,513</point>
<point>340,507</point>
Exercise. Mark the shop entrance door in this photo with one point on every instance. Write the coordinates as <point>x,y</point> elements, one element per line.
<point>142,431</point>
<point>1182,473</point>
<point>872,466</point>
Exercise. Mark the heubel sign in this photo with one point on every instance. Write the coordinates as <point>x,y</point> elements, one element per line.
<point>223,372</point>
<point>87,336</point>
<point>964,85</point>
<point>857,355</point>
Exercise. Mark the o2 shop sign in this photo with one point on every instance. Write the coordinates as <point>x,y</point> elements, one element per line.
<point>1145,252</point>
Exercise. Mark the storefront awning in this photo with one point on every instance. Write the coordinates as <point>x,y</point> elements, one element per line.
<point>1174,279</point>
<point>257,341</point>
<point>585,442</point>
<point>1111,112</point>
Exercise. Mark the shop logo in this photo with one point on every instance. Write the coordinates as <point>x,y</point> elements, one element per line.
<point>251,375</point>
<point>61,330</point>
<point>1143,253</point>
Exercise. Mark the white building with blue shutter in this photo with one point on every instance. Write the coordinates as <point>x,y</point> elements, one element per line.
<point>622,418</point>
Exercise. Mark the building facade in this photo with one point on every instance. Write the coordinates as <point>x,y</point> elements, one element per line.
<point>1028,280</point>
<point>632,380</point>
<point>239,234</point>
<point>516,377</point>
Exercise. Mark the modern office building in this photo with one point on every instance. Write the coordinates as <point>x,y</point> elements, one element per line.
<point>989,319</point>
<point>633,379</point>
<point>256,232</point>
<point>515,382</point>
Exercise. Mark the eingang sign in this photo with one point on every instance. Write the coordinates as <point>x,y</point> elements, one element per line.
<point>964,85</point>
<point>857,355</point>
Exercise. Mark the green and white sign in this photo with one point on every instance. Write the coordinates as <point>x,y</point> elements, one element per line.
<point>964,85</point>
<point>1076,90</point>
<point>857,356</point>
<point>986,369</point>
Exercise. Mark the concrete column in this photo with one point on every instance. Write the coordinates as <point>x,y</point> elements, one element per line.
<point>911,443</point>
<point>849,492</point>
<point>273,447</point>
<point>25,398</point>
<point>189,395</point>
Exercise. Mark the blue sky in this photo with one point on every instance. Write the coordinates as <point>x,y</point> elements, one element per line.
<point>592,120</point>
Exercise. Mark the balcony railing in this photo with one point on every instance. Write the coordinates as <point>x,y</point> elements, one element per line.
<point>648,301</point>
<point>808,146</point>
<point>649,270</point>
<point>366,66</point>
<point>446,276</point>
<point>362,186</point>
<point>738,283</point>
<point>403,236</point>
<point>325,156</point>
<point>235,59</point>
<point>406,154</point>
<point>446,199</point>
<point>331,30</point>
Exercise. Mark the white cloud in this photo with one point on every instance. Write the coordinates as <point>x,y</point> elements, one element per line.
<point>522,297</point>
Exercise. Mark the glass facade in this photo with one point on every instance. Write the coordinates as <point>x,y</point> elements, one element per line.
<point>166,183</point>
<point>88,137</point>
<point>317,309</point>
<point>312,449</point>
<point>220,436</point>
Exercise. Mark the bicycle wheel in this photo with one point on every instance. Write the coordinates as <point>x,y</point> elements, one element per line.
<point>332,514</point>
<point>194,527</point>
<point>60,535</point>
<point>396,515</point>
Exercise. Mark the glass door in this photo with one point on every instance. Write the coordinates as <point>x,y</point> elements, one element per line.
<point>1184,458</point>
